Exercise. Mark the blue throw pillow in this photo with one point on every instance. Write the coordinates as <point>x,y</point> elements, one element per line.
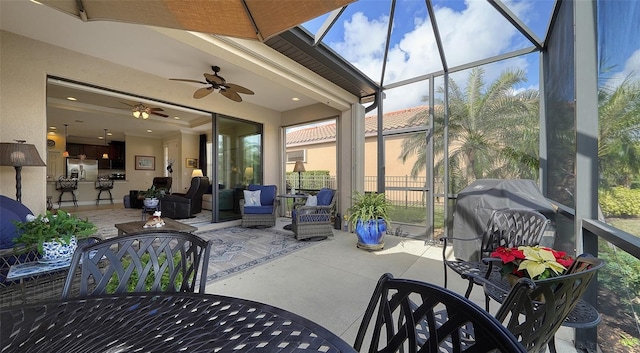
<point>324,197</point>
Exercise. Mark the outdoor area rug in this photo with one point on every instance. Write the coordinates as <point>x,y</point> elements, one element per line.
<point>236,249</point>
<point>233,250</point>
<point>105,220</point>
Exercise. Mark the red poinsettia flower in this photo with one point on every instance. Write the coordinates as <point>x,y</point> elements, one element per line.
<point>507,254</point>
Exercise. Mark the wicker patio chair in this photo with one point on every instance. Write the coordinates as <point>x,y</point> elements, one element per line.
<point>534,310</point>
<point>263,214</point>
<point>160,261</point>
<point>508,228</point>
<point>314,222</point>
<point>412,316</point>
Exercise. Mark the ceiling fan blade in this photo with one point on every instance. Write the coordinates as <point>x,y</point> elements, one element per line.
<point>231,95</point>
<point>157,109</point>
<point>238,88</point>
<point>159,114</point>
<point>125,103</point>
<point>214,78</point>
<point>187,80</point>
<point>202,92</point>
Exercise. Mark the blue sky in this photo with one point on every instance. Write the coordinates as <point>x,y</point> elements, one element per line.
<point>471,30</point>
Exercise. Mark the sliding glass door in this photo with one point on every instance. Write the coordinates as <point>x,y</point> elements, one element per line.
<point>239,163</point>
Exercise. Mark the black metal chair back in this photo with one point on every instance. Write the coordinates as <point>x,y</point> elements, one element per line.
<point>534,311</point>
<point>159,261</point>
<point>511,228</point>
<point>506,227</point>
<point>416,316</point>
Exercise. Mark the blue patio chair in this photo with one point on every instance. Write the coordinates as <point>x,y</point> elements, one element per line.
<point>259,211</point>
<point>314,222</point>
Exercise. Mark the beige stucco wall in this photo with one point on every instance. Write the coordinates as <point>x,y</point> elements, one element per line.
<point>24,66</point>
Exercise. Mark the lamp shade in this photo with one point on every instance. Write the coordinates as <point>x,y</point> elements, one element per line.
<point>196,173</point>
<point>19,155</point>
<point>299,167</point>
<point>248,173</point>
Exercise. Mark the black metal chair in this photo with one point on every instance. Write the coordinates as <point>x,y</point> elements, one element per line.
<point>534,310</point>
<point>104,183</point>
<point>416,316</point>
<point>508,228</point>
<point>160,261</point>
<point>67,185</point>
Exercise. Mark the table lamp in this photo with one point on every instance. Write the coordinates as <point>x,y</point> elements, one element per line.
<point>196,173</point>
<point>19,155</point>
<point>299,167</point>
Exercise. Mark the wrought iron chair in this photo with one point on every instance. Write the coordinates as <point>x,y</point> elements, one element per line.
<point>161,261</point>
<point>416,316</point>
<point>534,310</point>
<point>314,222</point>
<point>104,183</point>
<point>67,185</point>
<point>508,228</point>
<point>263,214</point>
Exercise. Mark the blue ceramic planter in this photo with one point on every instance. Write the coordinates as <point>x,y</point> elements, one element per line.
<point>371,234</point>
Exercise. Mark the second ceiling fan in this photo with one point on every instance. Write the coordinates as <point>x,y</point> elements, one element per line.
<point>142,111</point>
<point>216,82</point>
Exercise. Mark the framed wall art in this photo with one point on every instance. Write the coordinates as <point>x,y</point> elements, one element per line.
<point>192,163</point>
<point>145,163</point>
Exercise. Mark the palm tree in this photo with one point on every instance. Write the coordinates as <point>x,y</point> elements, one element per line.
<point>619,133</point>
<point>493,132</point>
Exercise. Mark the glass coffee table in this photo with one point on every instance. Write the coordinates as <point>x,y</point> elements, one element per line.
<point>138,226</point>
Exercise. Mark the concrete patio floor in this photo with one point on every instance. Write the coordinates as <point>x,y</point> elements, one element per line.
<point>331,282</point>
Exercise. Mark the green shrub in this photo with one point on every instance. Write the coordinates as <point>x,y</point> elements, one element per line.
<point>133,279</point>
<point>620,202</point>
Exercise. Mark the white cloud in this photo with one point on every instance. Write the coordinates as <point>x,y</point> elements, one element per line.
<point>631,71</point>
<point>474,33</point>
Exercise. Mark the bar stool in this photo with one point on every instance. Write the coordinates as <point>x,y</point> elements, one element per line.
<point>104,184</point>
<point>67,185</point>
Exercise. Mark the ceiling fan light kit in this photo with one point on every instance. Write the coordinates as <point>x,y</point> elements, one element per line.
<point>218,84</point>
<point>142,111</point>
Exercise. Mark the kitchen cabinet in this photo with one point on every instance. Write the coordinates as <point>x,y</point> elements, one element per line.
<point>115,150</point>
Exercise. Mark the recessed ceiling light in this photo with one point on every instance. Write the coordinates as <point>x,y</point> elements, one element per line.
<point>295,99</point>
<point>72,98</point>
<point>176,117</point>
<point>149,131</point>
<point>100,137</point>
<point>52,128</point>
<point>109,134</point>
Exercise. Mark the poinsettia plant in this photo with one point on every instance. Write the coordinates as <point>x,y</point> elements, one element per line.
<point>534,262</point>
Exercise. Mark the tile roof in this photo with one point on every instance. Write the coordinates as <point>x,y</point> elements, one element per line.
<point>327,132</point>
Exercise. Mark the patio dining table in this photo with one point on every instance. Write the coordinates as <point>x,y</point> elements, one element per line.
<point>161,322</point>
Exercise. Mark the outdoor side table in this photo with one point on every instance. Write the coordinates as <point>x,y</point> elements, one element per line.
<point>284,212</point>
<point>161,322</point>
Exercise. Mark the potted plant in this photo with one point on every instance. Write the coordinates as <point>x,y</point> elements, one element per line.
<point>369,216</point>
<point>152,196</point>
<point>533,262</point>
<point>54,235</point>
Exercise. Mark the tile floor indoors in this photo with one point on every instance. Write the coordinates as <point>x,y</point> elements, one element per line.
<point>331,282</point>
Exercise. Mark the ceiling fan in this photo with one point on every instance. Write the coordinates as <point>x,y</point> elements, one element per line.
<point>143,111</point>
<point>216,82</point>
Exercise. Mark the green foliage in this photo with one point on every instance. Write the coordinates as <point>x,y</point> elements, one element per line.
<point>152,193</point>
<point>133,279</point>
<point>620,202</point>
<point>47,227</point>
<point>621,273</point>
<point>369,206</point>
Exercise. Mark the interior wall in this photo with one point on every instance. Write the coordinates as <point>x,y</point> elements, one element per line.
<point>141,146</point>
<point>24,66</point>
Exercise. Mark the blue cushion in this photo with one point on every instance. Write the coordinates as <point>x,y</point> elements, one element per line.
<point>324,197</point>
<point>258,210</point>
<point>10,210</point>
<point>267,193</point>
